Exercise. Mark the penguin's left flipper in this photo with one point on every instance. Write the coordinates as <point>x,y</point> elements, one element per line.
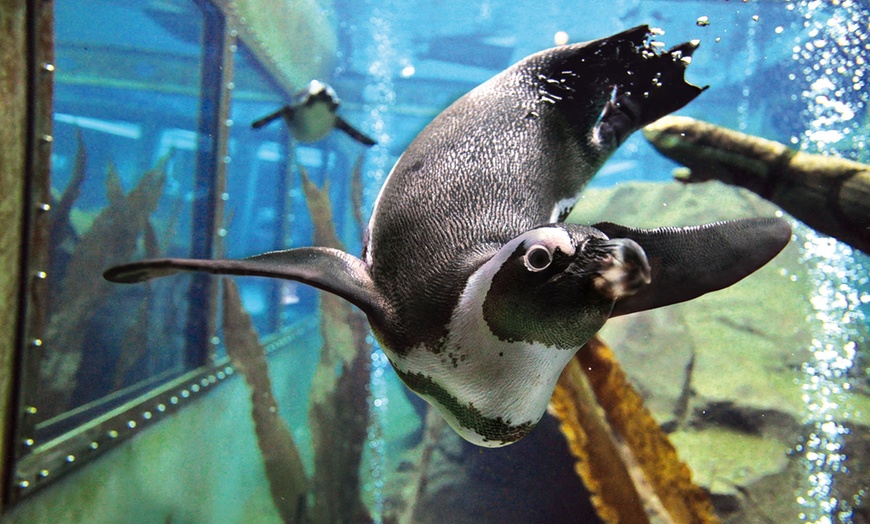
<point>285,112</point>
<point>688,262</point>
<point>342,124</point>
<point>324,268</point>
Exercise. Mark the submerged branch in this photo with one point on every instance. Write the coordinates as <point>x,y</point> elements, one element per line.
<point>829,194</point>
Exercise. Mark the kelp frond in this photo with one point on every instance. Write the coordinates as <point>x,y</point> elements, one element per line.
<point>625,459</point>
<point>338,410</point>
<point>281,459</point>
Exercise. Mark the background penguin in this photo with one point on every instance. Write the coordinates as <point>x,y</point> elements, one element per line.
<point>477,293</point>
<point>312,115</point>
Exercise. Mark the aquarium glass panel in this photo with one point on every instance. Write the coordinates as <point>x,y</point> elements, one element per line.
<point>127,120</point>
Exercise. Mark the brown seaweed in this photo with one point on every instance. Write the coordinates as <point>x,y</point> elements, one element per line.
<point>338,410</point>
<point>114,190</point>
<point>356,193</point>
<point>281,459</point>
<point>134,345</point>
<point>592,442</point>
<point>339,413</point>
<point>829,194</point>
<point>62,209</point>
<point>320,210</point>
<point>61,232</point>
<point>415,486</point>
<point>150,241</point>
<point>600,410</point>
<point>113,237</point>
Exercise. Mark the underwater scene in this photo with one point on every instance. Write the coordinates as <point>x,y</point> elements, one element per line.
<point>486,304</point>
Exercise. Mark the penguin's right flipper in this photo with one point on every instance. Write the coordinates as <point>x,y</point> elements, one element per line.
<point>691,261</point>
<point>342,124</point>
<point>285,112</point>
<point>321,267</point>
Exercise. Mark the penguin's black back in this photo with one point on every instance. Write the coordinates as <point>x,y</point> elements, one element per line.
<point>492,166</point>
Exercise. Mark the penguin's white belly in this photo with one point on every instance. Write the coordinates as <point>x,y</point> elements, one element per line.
<point>507,381</point>
<point>312,123</point>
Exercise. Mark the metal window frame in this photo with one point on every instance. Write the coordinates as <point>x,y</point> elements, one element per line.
<point>32,465</point>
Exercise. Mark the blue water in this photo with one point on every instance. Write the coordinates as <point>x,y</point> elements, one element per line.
<point>138,83</point>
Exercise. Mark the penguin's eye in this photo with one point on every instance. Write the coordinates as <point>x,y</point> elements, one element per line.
<point>538,258</point>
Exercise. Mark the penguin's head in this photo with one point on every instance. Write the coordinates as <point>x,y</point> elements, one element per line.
<point>556,285</point>
<point>316,92</point>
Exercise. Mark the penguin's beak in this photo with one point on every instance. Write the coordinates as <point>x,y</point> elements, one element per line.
<point>622,270</point>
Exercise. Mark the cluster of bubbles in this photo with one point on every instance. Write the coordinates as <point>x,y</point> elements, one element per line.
<point>836,275</point>
<point>379,94</point>
<point>830,61</point>
<point>378,403</point>
<point>744,111</point>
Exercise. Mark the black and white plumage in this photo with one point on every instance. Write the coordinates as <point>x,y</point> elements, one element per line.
<point>475,290</point>
<point>312,114</point>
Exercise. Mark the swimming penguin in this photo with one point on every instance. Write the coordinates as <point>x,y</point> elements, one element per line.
<point>476,291</point>
<point>312,115</point>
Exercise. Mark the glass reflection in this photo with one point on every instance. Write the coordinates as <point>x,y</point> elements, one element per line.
<point>127,114</point>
